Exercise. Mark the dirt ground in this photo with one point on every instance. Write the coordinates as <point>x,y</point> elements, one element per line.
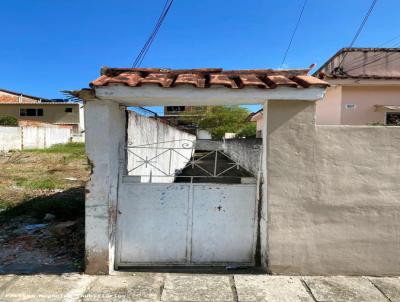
<point>42,209</point>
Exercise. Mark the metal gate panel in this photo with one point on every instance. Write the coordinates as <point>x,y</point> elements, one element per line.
<point>224,223</point>
<point>186,224</point>
<point>152,224</point>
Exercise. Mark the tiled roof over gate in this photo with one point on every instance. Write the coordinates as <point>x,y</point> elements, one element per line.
<point>208,77</point>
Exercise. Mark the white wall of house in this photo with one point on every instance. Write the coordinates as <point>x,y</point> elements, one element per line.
<point>18,138</point>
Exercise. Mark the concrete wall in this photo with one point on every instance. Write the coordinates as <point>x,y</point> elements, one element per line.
<point>246,152</point>
<point>44,137</point>
<point>18,138</point>
<point>10,138</point>
<point>155,139</point>
<point>333,195</point>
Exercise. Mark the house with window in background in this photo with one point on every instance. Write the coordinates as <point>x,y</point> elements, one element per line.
<point>365,87</point>
<point>35,111</point>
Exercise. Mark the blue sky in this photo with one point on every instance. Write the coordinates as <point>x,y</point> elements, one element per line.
<point>47,45</point>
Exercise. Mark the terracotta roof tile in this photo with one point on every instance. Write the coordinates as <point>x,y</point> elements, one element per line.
<point>251,80</point>
<point>307,81</point>
<point>222,79</point>
<point>208,77</point>
<point>190,78</point>
<point>162,79</point>
<point>279,80</point>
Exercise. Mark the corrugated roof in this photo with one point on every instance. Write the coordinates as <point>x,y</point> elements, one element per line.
<point>208,77</point>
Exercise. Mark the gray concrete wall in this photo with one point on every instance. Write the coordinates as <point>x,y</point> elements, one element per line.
<point>246,152</point>
<point>209,145</point>
<point>333,195</point>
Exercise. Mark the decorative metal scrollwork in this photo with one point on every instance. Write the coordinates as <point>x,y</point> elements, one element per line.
<point>170,158</point>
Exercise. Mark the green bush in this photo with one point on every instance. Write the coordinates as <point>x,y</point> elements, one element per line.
<point>7,120</point>
<point>248,130</point>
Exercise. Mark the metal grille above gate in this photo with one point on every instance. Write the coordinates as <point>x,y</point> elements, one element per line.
<point>179,161</point>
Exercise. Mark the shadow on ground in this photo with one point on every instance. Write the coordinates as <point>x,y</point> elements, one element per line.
<point>44,234</point>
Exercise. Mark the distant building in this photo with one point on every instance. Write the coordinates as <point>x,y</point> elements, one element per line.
<point>185,117</point>
<point>365,87</point>
<point>258,118</point>
<point>36,111</point>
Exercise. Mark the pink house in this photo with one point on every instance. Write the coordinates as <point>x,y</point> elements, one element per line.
<point>258,118</point>
<point>365,87</point>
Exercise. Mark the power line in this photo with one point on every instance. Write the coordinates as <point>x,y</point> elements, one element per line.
<point>139,56</point>
<point>359,59</point>
<point>139,59</point>
<point>375,61</point>
<point>363,22</point>
<point>388,41</point>
<point>158,27</point>
<point>294,32</point>
<point>360,28</point>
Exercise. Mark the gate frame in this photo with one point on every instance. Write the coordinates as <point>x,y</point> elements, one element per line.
<point>190,264</point>
<point>106,132</point>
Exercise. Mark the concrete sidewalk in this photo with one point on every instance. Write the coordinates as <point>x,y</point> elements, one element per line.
<point>196,287</point>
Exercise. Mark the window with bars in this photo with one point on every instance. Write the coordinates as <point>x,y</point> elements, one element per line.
<point>31,112</point>
<point>393,118</point>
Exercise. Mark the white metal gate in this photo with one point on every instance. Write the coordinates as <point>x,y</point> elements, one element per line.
<point>183,223</point>
<point>186,224</point>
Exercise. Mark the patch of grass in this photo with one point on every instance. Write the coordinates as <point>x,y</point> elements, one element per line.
<point>77,149</point>
<point>42,183</point>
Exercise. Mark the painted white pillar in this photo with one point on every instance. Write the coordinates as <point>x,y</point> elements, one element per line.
<point>105,128</point>
<point>264,197</point>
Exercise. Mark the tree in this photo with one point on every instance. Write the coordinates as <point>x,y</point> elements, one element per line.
<point>219,120</point>
<point>248,130</point>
